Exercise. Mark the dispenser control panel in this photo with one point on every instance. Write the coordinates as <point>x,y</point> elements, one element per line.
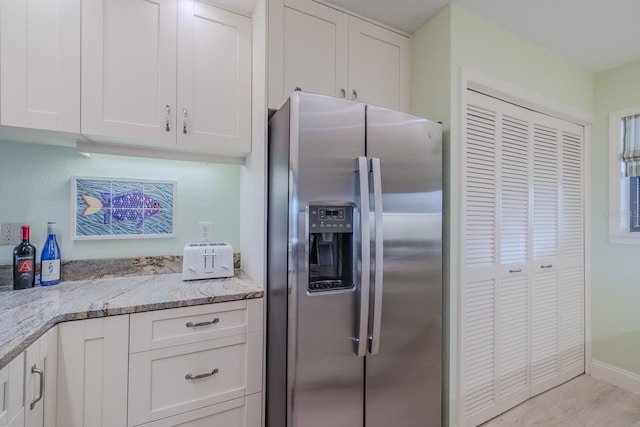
<point>330,219</point>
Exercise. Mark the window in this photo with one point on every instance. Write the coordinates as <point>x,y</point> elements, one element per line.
<point>634,209</point>
<point>624,176</point>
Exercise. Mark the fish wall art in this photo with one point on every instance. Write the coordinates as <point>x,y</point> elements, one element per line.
<point>109,208</point>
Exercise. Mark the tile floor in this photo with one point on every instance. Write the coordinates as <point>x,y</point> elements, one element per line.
<point>581,402</point>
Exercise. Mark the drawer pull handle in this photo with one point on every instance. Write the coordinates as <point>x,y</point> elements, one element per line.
<point>207,323</point>
<point>515,270</point>
<point>201,376</point>
<point>546,266</point>
<point>40,372</point>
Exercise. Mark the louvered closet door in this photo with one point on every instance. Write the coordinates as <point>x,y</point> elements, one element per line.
<point>544,278</point>
<point>521,317</point>
<point>479,278</point>
<point>513,281</point>
<point>494,296</point>
<point>571,288</point>
<point>557,286</point>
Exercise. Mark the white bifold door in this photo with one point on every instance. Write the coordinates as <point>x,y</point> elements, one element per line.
<point>522,266</point>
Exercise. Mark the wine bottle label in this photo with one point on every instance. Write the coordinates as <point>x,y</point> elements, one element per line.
<point>24,264</point>
<point>50,270</point>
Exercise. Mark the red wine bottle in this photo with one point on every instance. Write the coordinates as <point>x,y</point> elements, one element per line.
<point>24,262</point>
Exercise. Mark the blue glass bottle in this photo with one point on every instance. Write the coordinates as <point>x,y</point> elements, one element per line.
<point>50,258</point>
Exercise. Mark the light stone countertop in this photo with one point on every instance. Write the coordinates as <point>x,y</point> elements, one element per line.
<point>27,314</point>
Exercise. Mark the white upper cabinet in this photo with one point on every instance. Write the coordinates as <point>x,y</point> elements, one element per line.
<point>378,65</point>
<point>172,71</point>
<point>322,50</point>
<point>315,50</point>
<point>40,64</point>
<point>214,77</point>
<point>128,69</point>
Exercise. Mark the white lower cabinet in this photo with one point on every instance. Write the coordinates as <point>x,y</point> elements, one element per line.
<point>196,366</point>
<point>192,376</point>
<point>40,380</point>
<point>12,393</point>
<point>92,372</point>
<point>179,376</point>
<point>152,330</point>
<point>243,412</point>
<point>28,385</point>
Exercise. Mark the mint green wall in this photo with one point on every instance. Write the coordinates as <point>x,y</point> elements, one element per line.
<point>615,286</point>
<point>430,69</point>
<point>35,188</point>
<point>483,47</point>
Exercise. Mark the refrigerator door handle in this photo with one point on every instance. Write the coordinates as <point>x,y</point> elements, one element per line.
<point>374,339</point>
<point>362,168</point>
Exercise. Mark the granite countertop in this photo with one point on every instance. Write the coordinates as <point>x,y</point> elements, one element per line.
<point>27,314</point>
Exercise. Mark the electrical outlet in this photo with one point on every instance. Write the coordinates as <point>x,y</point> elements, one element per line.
<point>9,233</point>
<point>205,231</point>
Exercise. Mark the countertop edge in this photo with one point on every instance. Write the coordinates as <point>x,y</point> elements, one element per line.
<point>17,343</point>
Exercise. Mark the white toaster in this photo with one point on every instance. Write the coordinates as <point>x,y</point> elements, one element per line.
<point>207,261</point>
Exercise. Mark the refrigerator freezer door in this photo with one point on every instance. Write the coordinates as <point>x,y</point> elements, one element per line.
<point>327,377</point>
<point>403,380</point>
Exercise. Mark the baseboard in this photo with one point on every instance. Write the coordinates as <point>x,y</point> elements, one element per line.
<point>616,376</point>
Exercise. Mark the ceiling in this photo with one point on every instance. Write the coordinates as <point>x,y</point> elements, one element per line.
<point>597,34</point>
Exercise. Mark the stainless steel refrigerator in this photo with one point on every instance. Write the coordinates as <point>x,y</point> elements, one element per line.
<point>354,289</point>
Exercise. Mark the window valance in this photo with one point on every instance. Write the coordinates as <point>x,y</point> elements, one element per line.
<point>631,149</point>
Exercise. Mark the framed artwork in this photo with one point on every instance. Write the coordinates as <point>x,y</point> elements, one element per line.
<point>113,208</point>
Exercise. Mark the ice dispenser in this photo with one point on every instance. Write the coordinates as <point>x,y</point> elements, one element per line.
<point>331,255</point>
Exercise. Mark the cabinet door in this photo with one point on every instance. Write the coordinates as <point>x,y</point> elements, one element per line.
<point>378,65</point>
<point>129,69</point>
<point>315,49</point>
<point>214,78</point>
<point>12,393</point>
<point>40,64</point>
<point>40,380</point>
<point>92,372</point>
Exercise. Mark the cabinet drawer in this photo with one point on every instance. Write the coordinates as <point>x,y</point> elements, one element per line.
<point>165,328</point>
<point>162,383</point>
<point>243,412</point>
